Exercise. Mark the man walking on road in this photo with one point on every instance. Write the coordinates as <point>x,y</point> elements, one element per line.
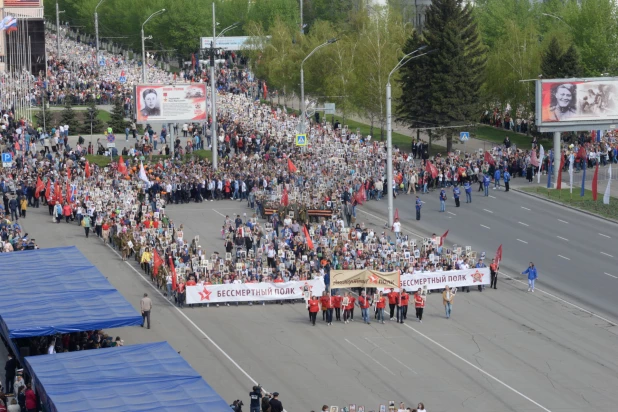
<point>146,306</point>
<point>442,201</point>
<point>468,189</point>
<point>532,276</point>
<point>447,299</point>
<point>419,204</point>
<point>493,268</point>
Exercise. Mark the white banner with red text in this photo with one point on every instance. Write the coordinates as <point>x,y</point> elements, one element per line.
<point>452,278</point>
<point>253,292</point>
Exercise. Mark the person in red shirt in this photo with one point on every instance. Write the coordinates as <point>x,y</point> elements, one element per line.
<point>345,303</point>
<point>337,305</point>
<point>314,308</point>
<point>327,307</point>
<point>380,305</point>
<point>351,308</point>
<point>392,302</point>
<point>364,302</point>
<point>400,305</point>
<point>405,300</point>
<point>30,398</point>
<point>67,211</point>
<point>419,304</point>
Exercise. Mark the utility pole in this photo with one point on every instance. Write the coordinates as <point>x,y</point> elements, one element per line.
<point>58,30</point>
<point>302,29</point>
<point>96,28</point>
<point>213,93</point>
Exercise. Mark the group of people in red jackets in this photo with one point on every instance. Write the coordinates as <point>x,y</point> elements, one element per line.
<point>398,302</point>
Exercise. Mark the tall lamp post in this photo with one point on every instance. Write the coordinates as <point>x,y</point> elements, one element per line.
<point>58,12</point>
<point>389,132</point>
<point>302,84</point>
<point>143,48</point>
<point>96,28</point>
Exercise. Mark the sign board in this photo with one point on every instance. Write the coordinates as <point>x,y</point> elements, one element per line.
<point>111,144</point>
<point>580,103</point>
<point>111,138</point>
<point>7,160</point>
<point>464,136</point>
<point>102,61</point>
<point>122,79</point>
<point>329,108</point>
<point>170,103</point>
<point>233,43</point>
<point>301,140</point>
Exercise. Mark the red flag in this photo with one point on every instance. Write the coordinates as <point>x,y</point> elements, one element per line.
<point>559,182</point>
<point>309,241</point>
<point>358,196</point>
<point>431,169</point>
<point>489,158</point>
<point>595,181</point>
<point>285,199</point>
<point>48,193</point>
<point>122,167</point>
<point>157,262</point>
<point>499,254</point>
<point>396,214</point>
<point>291,167</point>
<point>174,286</point>
<point>39,186</point>
<point>58,192</point>
<point>265,90</point>
<point>87,169</point>
<point>68,193</point>
<point>443,237</point>
<point>68,174</point>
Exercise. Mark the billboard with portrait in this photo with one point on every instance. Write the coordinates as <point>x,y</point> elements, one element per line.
<point>170,103</point>
<point>577,101</point>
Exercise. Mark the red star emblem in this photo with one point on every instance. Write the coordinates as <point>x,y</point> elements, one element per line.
<point>309,287</point>
<point>205,294</point>
<point>373,279</point>
<point>477,277</point>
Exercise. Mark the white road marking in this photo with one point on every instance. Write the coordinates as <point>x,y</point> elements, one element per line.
<point>562,300</point>
<point>488,211</point>
<point>609,237</point>
<point>486,227</point>
<point>522,241</point>
<point>563,238</point>
<point>615,277</point>
<point>190,321</point>
<point>391,356</point>
<point>370,357</point>
<point>563,221</point>
<point>525,208</point>
<point>522,223</point>
<point>606,254</point>
<point>563,257</point>
<point>477,368</point>
<point>219,213</point>
<point>493,197</point>
<point>451,213</point>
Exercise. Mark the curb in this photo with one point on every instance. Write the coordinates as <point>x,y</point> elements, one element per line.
<point>567,206</point>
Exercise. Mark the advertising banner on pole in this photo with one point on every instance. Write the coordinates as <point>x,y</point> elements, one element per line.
<point>170,103</point>
<point>254,292</point>
<point>577,101</point>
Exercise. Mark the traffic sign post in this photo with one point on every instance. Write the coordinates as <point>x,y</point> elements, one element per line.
<point>111,138</point>
<point>122,79</point>
<point>301,140</point>
<point>7,160</point>
<point>464,136</point>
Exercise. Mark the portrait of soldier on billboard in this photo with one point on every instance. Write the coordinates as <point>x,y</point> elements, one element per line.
<point>150,103</point>
<point>563,104</point>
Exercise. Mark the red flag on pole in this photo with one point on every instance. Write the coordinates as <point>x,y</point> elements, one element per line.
<point>68,193</point>
<point>309,241</point>
<point>431,169</point>
<point>48,193</point>
<point>122,167</point>
<point>174,286</point>
<point>559,182</point>
<point>358,196</point>
<point>69,174</point>
<point>595,182</point>
<point>157,262</point>
<point>39,186</point>
<point>285,198</point>
<point>396,214</point>
<point>87,169</point>
<point>58,192</point>
<point>489,158</point>
<point>291,167</point>
<point>499,254</point>
<point>443,237</point>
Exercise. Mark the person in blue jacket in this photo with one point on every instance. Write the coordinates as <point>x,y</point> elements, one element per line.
<point>497,179</point>
<point>507,179</point>
<point>442,200</point>
<point>468,189</point>
<point>456,193</point>
<point>532,276</point>
<point>419,204</point>
<point>486,182</point>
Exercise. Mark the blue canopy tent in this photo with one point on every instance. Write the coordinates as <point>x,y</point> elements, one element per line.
<point>149,377</point>
<point>49,291</point>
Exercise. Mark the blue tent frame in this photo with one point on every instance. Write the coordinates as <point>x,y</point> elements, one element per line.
<point>148,377</point>
<point>49,291</point>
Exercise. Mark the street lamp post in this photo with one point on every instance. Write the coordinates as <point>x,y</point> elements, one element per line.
<point>302,84</point>
<point>389,133</point>
<point>58,29</point>
<point>96,28</point>
<point>143,49</point>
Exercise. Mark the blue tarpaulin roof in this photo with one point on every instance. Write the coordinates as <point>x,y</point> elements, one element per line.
<point>149,377</point>
<point>58,290</point>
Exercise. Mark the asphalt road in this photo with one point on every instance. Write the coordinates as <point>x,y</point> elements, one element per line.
<point>576,254</point>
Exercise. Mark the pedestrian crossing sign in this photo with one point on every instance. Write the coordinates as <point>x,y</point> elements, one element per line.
<point>301,140</point>
<point>122,79</point>
<point>464,136</point>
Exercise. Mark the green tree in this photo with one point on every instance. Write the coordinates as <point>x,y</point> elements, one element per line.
<point>45,118</point>
<point>69,117</point>
<point>571,62</point>
<point>551,63</point>
<point>117,121</point>
<point>443,88</point>
<point>92,123</point>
